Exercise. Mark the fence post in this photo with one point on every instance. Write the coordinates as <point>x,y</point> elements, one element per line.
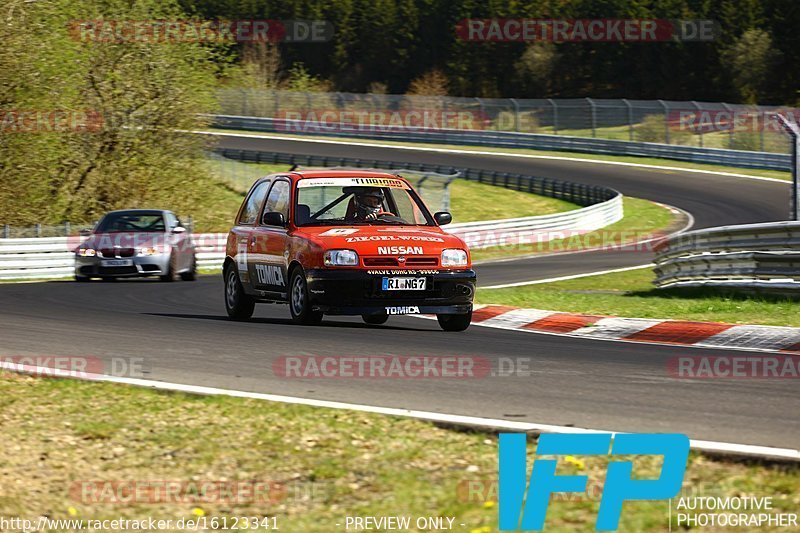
<point>697,107</point>
<point>38,229</point>
<point>555,115</point>
<point>481,114</point>
<point>66,228</point>
<point>793,131</point>
<point>730,136</point>
<point>594,117</point>
<point>666,120</point>
<point>630,118</point>
<point>516,114</point>
<point>6,231</point>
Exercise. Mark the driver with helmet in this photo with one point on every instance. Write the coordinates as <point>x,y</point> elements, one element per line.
<point>368,204</point>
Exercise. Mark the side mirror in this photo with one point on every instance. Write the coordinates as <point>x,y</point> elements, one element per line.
<point>178,229</point>
<point>85,232</point>
<point>442,217</point>
<point>273,218</point>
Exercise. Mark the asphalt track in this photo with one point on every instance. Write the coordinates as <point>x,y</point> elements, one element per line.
<point>180,332</point>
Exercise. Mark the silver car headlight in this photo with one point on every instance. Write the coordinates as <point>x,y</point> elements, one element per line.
<point>86,252</point>
<point>341,258</point>
<point>148,251</point>
<point>454,257</point>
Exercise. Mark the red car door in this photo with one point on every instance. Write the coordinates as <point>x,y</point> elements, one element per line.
<point>268,258</point>
<point>242,233</point>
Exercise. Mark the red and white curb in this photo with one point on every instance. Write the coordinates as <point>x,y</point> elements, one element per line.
<point>680,332</point>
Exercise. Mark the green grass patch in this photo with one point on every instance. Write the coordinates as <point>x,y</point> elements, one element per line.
<point>777,174</point>
<point>63,434</point>
<point>642,218</point>
<point>632,294</point>
<point>471,201</point>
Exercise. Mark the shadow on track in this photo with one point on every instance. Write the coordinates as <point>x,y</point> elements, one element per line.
<point>286,322</point>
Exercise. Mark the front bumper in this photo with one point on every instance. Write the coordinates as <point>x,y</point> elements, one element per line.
<point>358,292</point>
<point>151,265</point>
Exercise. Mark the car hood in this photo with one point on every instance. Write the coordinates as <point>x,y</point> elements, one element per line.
<point>382,240</point>
<point>125,240</point>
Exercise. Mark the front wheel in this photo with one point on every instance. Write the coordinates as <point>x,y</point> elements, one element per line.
<point>191,274</point>
<point>375,320</point>
<point>238,304</point>
<point>299,302</point>
<point>454,322</point>
<point>169,275</point>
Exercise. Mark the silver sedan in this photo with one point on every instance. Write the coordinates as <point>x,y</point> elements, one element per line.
<point>137,242</point>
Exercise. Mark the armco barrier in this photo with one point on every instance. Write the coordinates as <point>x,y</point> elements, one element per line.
<point>749,256</point>
<point>506,139</point>
<point>576,193</point>
<point>53,258</point>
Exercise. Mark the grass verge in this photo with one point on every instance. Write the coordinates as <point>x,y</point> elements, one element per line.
<point>66,441</point>
<point>642,218</point>
<point>777,174</point>
<point>632,294</point>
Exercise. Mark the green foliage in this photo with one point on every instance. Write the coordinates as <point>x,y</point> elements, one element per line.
<point>140,94</point>
<point>396,41</point>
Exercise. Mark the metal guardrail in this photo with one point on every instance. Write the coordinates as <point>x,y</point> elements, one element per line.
<point>577,193</point>
<point>507,139</point>
<point>749,256</point>
<point>688,123</point>
<point>52,257</point>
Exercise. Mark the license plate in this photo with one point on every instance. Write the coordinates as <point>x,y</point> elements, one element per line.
<point>403,284</point>
<point>116,262</point>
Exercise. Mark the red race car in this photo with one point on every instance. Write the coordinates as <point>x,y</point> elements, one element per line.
<point>348,242</point>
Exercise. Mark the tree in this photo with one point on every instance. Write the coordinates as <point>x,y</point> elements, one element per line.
<point>749,59</point>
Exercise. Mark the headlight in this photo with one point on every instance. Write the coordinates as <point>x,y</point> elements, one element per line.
<point>87,252</point>
<point>148,251</point>
<point>454,257</point>
<point>341,258</point>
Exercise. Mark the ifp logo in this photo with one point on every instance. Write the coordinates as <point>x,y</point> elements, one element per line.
<point>619,486</point>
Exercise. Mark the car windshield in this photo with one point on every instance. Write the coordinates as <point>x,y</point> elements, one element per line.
<point>347,201</point>
<point>131,222</point>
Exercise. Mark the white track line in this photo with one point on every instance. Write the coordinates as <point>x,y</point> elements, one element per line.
<point>564,278</point>
<point>486,152</point>
<point>490,423</point>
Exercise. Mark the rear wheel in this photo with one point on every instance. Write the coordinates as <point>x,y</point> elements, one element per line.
<point>454,322</point>
<point>375,320</point>
<point>299,302</point>
<point>191,274</point>
<point>238,304</point>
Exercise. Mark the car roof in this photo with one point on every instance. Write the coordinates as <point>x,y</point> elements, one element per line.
<point>140,211</point>
<point>296,175</point>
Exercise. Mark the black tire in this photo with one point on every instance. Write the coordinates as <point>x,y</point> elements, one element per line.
<point>299,302</point>
<point>82,279</point>
<point>454,322</point>
<point>170,275</point>
<point>191,274</point>
<point>238,304</point>
<point>375,320</point>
